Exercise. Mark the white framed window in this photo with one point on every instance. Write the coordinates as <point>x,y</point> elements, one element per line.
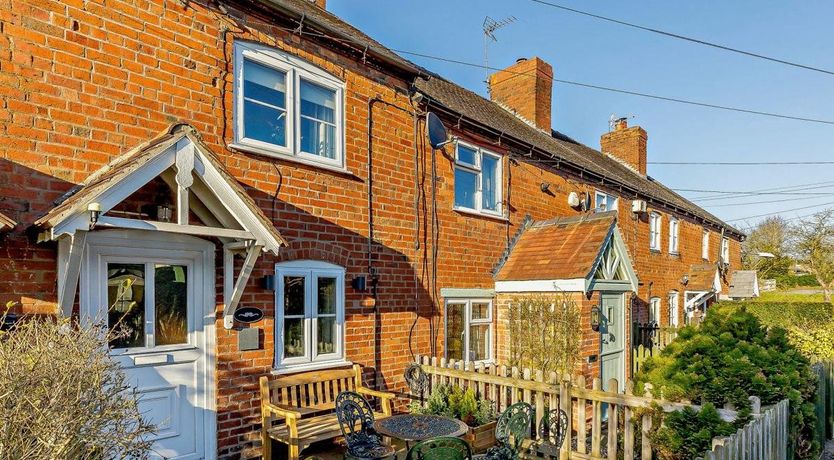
<point>478,180</point>
<point>654,310</point>
<point>725,250</point>
<point>674,304</point>
<point>287,107</point>
<point>654,231</point>
<point>705,245</point>
<point>604,202</point>
<point>674,230</point>
<point>310,314</point>
<point>468,329</point>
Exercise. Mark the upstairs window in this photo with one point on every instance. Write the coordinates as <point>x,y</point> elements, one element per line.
<point>673,235</point>
<point>477,180</point>
<point>725,250</point>
<point>705,245</point>
<point>654,231</point>
<point>285,106</point>
<point>604,202</point>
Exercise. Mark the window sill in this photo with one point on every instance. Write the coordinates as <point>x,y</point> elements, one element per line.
<point>475,213</point>
<point>291,158</point>
<point>297,368</point>
<point>675,254</point>
<point>654,251</point>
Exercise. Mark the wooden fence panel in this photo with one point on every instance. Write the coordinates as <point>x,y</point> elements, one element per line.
<point>764,437</point>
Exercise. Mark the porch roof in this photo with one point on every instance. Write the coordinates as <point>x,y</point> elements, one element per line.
<point>574,254</point>
<point>75,201</point>
<point>745,284</point>
<point>6,222</point>
<point>703,277</point>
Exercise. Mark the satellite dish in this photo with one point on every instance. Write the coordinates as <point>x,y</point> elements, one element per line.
<point>438,137</point>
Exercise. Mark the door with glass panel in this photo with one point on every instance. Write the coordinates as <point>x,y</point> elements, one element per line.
<point>612,339</point>
<point>310,316</point>
<point>469,330</point>
<point>152,301</point>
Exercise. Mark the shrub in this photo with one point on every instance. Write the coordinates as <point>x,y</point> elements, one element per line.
<point>62,396</point>
<point>688,433</point>
<point>809,325</point>
<point>788,280</point>
<point>450,401</point>
<point>727,359</point>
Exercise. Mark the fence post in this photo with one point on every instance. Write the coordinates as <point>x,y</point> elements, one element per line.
<point>566,401</point>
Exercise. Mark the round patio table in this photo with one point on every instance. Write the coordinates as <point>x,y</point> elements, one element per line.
<point>419,427</point>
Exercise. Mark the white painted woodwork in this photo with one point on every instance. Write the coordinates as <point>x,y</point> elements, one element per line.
<point>70,252</point>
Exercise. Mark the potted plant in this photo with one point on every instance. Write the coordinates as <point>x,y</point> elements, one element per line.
<point>466,406</point>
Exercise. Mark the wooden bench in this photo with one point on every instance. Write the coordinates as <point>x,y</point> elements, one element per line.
<point>299,409</point>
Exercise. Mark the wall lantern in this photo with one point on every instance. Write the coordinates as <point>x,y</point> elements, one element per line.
<point>359,283</point>
<point>595,318</point>
<point>164,213</point>
<point>268,282</point>
<point>95,211</point>
<point>685,280</point>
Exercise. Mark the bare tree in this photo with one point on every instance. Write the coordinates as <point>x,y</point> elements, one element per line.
<point>770,236</point>
<point>813,244</point>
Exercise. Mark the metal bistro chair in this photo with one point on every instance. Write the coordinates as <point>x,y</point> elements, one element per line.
<point>513,427</point>
<point>356,420</point>
<point>417,380</point>
<point>443,448</point>
<point>552,429</point>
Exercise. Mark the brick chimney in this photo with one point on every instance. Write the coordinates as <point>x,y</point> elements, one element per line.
<point>627,144</point>
<point>320,3</point>
<point>529,95</point>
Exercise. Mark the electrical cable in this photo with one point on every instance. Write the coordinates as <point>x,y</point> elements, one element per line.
<point>762,202</point>
<point>741,163</point>
<point>685,38</point>
<point>782,211</point>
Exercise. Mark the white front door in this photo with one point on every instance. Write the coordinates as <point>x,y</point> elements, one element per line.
<point>156,291</point>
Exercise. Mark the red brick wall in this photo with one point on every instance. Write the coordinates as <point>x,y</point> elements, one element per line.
<point>84,81</point>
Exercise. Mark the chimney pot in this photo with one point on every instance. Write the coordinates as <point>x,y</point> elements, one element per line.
<point>526,88</point>
<point>621,124</point>
<point>521,59</point>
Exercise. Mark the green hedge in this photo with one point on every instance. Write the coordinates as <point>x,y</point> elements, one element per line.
<point>729,358</point>
<point>789,281</point>
<point>809,325</point>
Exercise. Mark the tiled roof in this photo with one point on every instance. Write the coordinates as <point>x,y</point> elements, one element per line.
<point>78,197</point>
<point>744,284</point>
<point>556,146</point>
<point>6,222</point>
<point>702,277</point>
<point>558,249</point>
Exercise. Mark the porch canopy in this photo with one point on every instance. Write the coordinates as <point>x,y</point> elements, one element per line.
<point>745,284</point>
<point>199,184</point>
<point>703,283</point>
<point>575,254</point>
<point>6,223</point>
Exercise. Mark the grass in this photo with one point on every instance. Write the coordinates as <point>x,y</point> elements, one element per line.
<point>789,297</point>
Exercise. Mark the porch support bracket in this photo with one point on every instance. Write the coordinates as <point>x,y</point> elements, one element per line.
<point>233,288</point>
<point>69,271</point>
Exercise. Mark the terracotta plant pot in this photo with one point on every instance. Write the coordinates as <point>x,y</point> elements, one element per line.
<point>481,438</point>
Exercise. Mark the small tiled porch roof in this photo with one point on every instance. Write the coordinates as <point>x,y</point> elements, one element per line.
<point>703,277</point>
<point>6,223</point>
<point>745,284</point>
<point>562,248</point>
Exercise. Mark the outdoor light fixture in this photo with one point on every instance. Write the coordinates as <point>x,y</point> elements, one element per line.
<point>685,280</point>
<point>95,211</point>
<point>268,282</point>
<point>595,318</point>
<point>163,213</point>
<point>544,186</point>
<point>359,283</point>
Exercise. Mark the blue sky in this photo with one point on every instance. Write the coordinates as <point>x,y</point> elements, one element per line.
<point>590,51</point>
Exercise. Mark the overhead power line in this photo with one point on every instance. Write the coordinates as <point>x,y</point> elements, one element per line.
<point>748,203</point>
<point>722,194</point>
<point>782,211</point>
<point>741,163</point>
<point>688,39</point>
<point>629,92</point>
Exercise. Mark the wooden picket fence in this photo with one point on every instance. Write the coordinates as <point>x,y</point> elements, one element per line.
<point>763,438</point>
<point>824,404</point>
<point>647,341</point>
<point>593,413</point>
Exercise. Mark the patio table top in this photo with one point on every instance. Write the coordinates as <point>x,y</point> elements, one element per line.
<point>419,427</point>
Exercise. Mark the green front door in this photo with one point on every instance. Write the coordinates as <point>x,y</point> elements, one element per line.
<point>612,339</point>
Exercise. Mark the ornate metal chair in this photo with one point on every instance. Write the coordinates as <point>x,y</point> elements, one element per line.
<point>416,379</point>
<point>514,424</point>
<point>552,429</point>
<point>356,420</point>
<point>443,448</point>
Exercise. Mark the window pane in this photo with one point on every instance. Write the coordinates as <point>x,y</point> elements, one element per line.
<point>293,295</point>
<point>327,296</point>
<point>454,330</point>
<point>480,310</point>
<point>293,337</point>
<point>467,155</point>
<point>490,182</point>
<point>601,201</point>
<point>126,305</point>
<point>171,300</point>
<point>318,138</point>
<point>478,342</point>
<point>327,335</point>
<point>264,107</point>
<point>466,184</point>
<point>318,110</point>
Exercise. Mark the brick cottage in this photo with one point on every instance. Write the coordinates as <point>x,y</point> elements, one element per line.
<point>169,166</point>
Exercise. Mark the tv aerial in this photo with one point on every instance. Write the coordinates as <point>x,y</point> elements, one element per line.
<point>490,27</point>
